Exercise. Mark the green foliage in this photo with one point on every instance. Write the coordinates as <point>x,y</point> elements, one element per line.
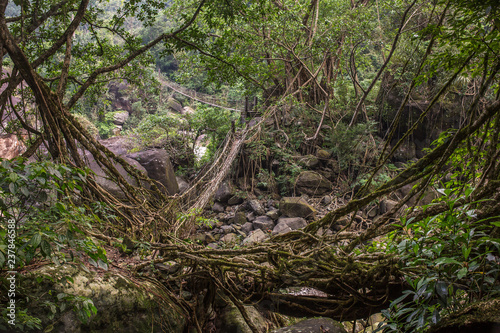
<point>456,260</point>
<point>36,199</point>
<point>24,322</point>
<point>214,122</point>
<point>157,129</point>
<point>195,215</point>
<point>350,144</point>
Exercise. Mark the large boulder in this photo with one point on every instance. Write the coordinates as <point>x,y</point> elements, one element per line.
<point>230,319</point>
<point>120,117</point>
<point>109,184</point>
<point>287,224</point>
<point>157,164</point>
<point>120,145</point>
<point>255,236</point>
<point>224,192</point>
<point>313,326</point>
<point>296,207</point>
<point>122,100</point>
<point>312,183</point>
<point>482,316</point>
<point>183,185</point>
<point>122,305</point>
<point>293,222</point>
<point>264,223</point>
<point>10,146</point>
<point>174,105</point>
<point>187,110</point>
<point>255,206</point>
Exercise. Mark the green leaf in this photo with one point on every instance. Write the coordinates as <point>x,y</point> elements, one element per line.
<point>13,177</point>
<point>461,273</point>
<point>45,248</point>
<point>12,188</point>
<point>42,197</point>
<point>35,240</point>
<point>442,290</point>
<point>2,259</point>
<point>440,261</point>
<point>25,191</point>
<point>61,207</point>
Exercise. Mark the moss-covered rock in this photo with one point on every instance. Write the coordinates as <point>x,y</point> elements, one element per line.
<point>312,183</point>
<point>122,305</point>
<point>231,321</point>
<point>314,325</point>
<point>478,317</point>
<point>296,207</point>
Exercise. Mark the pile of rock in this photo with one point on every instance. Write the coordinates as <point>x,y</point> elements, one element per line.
<point>253,221</point>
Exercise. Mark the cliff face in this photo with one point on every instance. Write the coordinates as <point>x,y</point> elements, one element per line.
<point>10,146</point>
<point>445,114</point>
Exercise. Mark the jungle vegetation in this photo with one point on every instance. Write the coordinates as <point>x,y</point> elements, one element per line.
<point>334,64</point>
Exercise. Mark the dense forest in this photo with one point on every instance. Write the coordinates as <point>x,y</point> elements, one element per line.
<point>250,166</point>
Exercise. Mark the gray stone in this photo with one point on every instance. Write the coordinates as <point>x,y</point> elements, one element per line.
<point>230,320</point>
<point>293,222</point>
<point>213,246</point>
<point>312,183</point>
<point>315,325</point>
<point>183,185</point>
<point>247,227</point>
<point>226,229</point>
<point>209,238</point>
<point>250,216</point>
<point>309,161</point>
<point>218,208</point>
<point>239,218</point>
<point>187,110</point>
<point>281,228</point>
<point>326,200</point>
<point>235,200</point>
<point>386,205</point>
<point>273,214</point>
<point>109,184</point>
<point>255,206</point>
<point>296,207</point>
<point>229,238</point>
<point>224,192</point>
<point>264,223</point>
<point>158,166</point>
<point>255,236</point>
<point>120,117</point>
<point>120,145</point>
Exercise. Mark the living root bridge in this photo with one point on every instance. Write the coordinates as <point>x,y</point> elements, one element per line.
<point>355,286</point>
<point>357,279</point>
